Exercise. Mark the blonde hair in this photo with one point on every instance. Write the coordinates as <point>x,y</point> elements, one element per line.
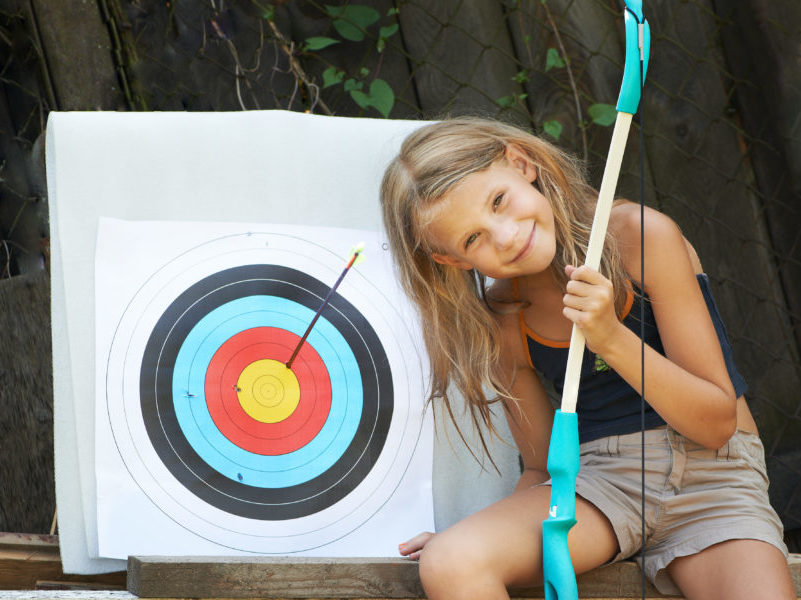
<point>460,331</point>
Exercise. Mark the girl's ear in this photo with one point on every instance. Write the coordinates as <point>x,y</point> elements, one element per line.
<point>520,160</point>
<point>450,261</point>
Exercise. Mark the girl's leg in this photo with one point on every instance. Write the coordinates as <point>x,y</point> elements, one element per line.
<point>501,546</point>
<point>734,569</point>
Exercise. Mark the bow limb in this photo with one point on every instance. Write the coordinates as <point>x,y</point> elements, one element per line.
<point>563,452</point>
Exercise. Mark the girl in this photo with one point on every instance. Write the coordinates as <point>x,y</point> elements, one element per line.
<point>471,199</point>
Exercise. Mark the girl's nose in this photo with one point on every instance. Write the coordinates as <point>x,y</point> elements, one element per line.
<point>505,233</point>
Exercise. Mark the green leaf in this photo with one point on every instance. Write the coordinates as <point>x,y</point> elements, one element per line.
<point>364,71</point>
<point>332,76</point>
<point>352,84</point>
<point>382,98</point>
<point>318,43</point>
<point>360,98</point>
<point>348,31</point>
<point>520,77</point>
<point>602,114</point>
<point>553,128</point>
<point>552,59</point>
<point>392,11</point>
<point>351,21</point>
<point>388,31</point>
<point>505,101</point>
<point>383,34</point>
<point>269,12</point>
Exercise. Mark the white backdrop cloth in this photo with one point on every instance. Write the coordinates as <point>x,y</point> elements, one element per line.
<point>256,167</point>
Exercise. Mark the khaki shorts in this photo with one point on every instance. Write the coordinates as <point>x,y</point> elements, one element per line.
<point>694,497</point>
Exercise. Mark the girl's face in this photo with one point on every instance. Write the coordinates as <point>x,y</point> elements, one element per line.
<point>496,221</point>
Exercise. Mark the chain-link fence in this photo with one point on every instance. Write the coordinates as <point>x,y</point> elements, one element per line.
<point>722,125</point>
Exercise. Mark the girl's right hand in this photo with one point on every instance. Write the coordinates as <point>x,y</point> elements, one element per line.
<point>412,548</point>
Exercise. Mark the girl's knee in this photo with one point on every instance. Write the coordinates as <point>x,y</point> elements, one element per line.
<point>448,561</point>
<point>455,565</point>
<point>439,561</point>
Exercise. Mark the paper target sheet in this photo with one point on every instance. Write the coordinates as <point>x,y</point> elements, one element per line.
<point>206,442</point>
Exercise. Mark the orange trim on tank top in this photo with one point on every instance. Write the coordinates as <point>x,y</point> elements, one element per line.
<point>525,330</point>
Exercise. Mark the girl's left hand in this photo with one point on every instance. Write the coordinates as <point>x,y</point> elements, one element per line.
<point>413,547</point>
<point>590,304</point>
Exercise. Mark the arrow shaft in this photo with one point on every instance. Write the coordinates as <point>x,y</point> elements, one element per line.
<point>326,300</point>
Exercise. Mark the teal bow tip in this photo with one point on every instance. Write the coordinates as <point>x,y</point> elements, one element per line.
<point>563,466</point>
<point>633,79</point>
<point>635,6</point>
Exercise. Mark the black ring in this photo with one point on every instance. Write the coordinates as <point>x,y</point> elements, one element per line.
<point>271,504</point>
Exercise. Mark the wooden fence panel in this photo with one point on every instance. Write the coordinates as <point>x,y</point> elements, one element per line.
<point>764,61</point>
<point>78,54</point>
<point>460,53</point>
<point>705,182</point>
<point>27,489</point>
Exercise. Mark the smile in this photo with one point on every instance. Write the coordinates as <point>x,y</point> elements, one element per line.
<point>527,246</point>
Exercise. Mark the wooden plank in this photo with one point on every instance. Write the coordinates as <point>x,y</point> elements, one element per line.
<point>705,182</point>
<point>616,581</point>
<point>760,38</point>
<point>81,586</point>
<point>30,542</point>
<point>78,52</point>
<point>245,577</point>
<point>462,57</point>
<point>27,493</point>
<point>28,558</point>
<point>66,595</point>
<point>112,595</point>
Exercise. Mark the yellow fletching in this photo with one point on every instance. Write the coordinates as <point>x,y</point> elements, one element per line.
<point>358,248</point>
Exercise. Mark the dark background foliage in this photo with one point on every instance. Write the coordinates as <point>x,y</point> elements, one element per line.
<point>722,145</point>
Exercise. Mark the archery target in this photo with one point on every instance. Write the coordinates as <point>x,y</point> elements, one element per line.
<point>228,441</point>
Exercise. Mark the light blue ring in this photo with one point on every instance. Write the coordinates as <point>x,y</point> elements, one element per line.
<point>213,447</point>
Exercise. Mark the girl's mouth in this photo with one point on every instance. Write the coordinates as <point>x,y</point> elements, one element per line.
<point>527,246</point>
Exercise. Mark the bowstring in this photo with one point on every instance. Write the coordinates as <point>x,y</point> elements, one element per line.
<point>642,326</point>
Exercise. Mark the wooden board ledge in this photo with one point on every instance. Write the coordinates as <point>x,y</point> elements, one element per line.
<point>317,578</point>
<point>284,578</point>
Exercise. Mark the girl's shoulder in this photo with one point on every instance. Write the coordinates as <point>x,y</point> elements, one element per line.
<point>625,221</point>
<point>629,227</point>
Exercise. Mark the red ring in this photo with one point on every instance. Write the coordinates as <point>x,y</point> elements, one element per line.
<point>234,423</point>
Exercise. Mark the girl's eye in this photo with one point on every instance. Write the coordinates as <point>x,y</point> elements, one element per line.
<point>470,240</point>
<point>497,202</point>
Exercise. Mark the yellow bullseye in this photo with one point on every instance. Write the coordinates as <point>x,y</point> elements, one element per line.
<point>268,391</point>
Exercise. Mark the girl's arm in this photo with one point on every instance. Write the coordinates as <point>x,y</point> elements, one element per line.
<point>690,386</point>
<point>530,419</point>
<point>530,415</point>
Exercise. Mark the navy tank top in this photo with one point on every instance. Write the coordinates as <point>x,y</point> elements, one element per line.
<point>607,405</point>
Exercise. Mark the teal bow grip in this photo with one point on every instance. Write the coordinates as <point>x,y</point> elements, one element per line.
<point>631,88</point>
<point>563,466</point>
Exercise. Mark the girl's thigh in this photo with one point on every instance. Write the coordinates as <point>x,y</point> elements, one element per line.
<point>504,540</point>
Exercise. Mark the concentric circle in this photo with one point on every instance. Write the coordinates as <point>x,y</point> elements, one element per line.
<point>268,390</point>
<point>224,391</point>
<point>173,383</point>
<point>221,435</point>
